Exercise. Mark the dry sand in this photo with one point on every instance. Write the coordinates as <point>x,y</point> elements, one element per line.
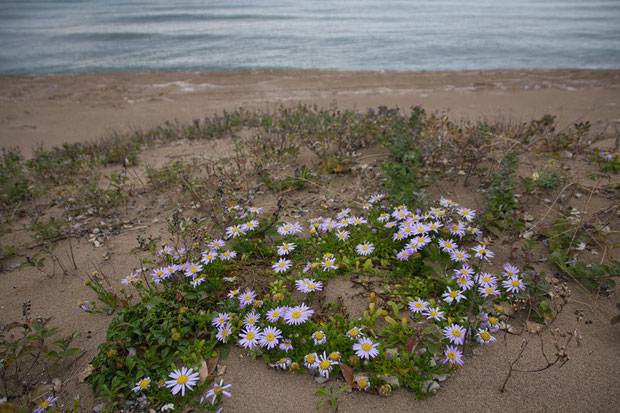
<point>51,110</point>
<point>55,109</point>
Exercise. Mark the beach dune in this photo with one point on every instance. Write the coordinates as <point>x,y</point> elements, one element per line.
<point>51,110</point>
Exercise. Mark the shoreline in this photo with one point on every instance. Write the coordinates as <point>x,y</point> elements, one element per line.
<point>54,109</point>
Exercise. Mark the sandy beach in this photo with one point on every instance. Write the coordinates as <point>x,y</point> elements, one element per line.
<point>51,110</point>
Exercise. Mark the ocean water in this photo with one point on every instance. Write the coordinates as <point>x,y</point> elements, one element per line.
<point>81,36</point>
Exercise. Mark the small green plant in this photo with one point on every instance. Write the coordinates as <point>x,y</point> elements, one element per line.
<point>46,230</point>
<point>15,186</point>
<point>332,395</point>
<point>500,199</point>
<point>403,178</point>
<point>540,182</point>
<point>564,238</point>
<point>28,351</point>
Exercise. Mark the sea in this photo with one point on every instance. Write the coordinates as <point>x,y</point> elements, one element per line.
<point>85,36</point>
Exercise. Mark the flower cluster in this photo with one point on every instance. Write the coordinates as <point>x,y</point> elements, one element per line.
<point>280,324</point>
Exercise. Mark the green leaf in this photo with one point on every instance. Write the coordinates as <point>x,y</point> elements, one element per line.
<point>224,350</point>
<point>69,352</point>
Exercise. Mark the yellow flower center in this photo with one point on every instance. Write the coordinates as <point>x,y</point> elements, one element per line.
<point>419,305</point>
<point>310,358</point>
<point>218,390</point>
<point>453,294</point>
<point>354,333</point>
<point>296,314</point>
<point>433,313</point>
<point>250,336</point>
<point>325,364</point>
<point>486,279</point>
<point>493,320</point>
<point>251,320</point>
<point>456,333</point>
<point>328,263</point>
<point>448,244</point>
<point>452,355</point>
<point>44,404</point>
<point>485,335</point>
<point>144,383</point>
<point>362,383</point>
<point>270,337</point>
<point>182,379</point>
<point>319,336</point>
<point>366,347</point>
<point>462,280</point>
<point>364,247</point>
<point>224,333</point>
<point>311,286</point>
<point>489,290</point>
<point>334,356</point>
<point>459,255</point>
<point>515,283</point>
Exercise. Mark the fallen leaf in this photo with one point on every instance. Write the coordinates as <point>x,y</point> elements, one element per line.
<point>320,379</point>
<point>347,373</point>
<point>57,385</point>
<point>391,380</point>
<point>212,363</point>
<point>441,377</point>
<point>339,168</point>
<point>533,327</point>
<point>41,389</point>
<point>88,370</point>
<point>13,325</point>
<point>203,370</point>
<point>411,344</point>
